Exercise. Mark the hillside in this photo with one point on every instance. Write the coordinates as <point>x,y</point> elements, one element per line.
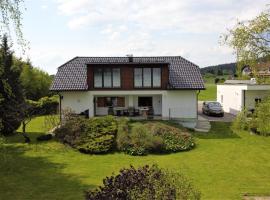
<point>222,69</point>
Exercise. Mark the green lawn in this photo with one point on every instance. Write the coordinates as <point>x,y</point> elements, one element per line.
<point>209,94</point>
<point>223,166</point>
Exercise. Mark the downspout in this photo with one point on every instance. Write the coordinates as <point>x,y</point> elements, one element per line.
<point>60,107</point>
<point>197,103</point>
<point>244,94</point>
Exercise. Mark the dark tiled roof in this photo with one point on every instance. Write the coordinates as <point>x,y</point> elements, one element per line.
<point>73,74</point>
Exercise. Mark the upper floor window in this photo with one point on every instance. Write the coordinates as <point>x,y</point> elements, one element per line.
<point>147,77</point>
<point>107,78</point>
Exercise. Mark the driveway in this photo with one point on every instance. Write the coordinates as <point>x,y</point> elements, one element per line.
<point>227,116</point>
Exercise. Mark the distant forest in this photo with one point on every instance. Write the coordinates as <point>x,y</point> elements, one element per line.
<point>220,70</point>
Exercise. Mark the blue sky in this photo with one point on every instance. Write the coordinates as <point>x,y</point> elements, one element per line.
<point>58,30</point>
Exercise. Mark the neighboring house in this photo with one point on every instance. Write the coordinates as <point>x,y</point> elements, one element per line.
<point>234,95</point>
<point>263,69</point>
<point>164,86</point>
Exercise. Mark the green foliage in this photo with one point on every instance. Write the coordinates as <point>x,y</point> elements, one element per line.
<point>35,82</point>
<point>174,139</point>
<point>262,117</point>
<point>10,91</point>
<point>45,105</point>
<point>250,41</point>
<point>11,14</point>
<point>142,139</point>
<point>145,183</point>
<point>257,122</point>
<point>241,121</point>
<point>95,135</point>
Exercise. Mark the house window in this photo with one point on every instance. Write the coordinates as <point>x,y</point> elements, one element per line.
<point>116,77</point>
<point>156,77</point>
<point>257,101</point>
<point>138,77</point>
<point>110,101</point>
<point>145,101</point>
<point>147,77</point>
<point>98,78</point>
<point>107,78</point>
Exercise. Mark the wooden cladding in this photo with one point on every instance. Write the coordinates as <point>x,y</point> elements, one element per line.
<point>127,75</point>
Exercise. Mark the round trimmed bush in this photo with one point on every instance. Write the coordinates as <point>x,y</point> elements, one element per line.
<point>95,135</point>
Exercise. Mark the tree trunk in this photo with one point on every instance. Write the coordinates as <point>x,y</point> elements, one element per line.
<point>26,137</point>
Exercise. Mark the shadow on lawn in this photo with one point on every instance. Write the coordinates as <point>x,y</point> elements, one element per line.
<point>24,177</point>
<point>219,130</point>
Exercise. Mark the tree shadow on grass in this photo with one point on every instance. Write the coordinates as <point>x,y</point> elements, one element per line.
<point>219,130</point>
<point>24,177</point>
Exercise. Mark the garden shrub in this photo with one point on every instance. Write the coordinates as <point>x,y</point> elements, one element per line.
<point>241,121</point>
<point>142,139</point>
<point>262,117</point>
<point>45,105</point>
<point>174,139</point>
<point>257,122</point>
<point>144,183</point>
<point>139,141</point>
<point>95,135</point>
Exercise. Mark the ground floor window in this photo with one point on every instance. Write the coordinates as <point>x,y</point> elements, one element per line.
<point>145,101</point>
<point>110,101</point>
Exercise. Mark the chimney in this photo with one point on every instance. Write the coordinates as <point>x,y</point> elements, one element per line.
<point>130,57</point>
<point>253,81</point>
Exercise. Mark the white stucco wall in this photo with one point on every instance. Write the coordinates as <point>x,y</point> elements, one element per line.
<point>232,100</point>
<point>178,104</point>
<point>78,101</point>
<point>233,96</point>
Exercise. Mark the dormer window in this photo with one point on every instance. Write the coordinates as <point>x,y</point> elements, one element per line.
<point>107,78</point>
<point>147,77</point>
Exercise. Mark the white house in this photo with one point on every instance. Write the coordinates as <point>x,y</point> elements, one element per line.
<point>132,86</point>
<point>234,95</point>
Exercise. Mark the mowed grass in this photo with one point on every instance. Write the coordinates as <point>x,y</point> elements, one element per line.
<point>223,165</point>
<point>209,94</point>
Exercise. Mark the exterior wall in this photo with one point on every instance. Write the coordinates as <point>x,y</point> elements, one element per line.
<point>233,99</point>
<point>251,95</point>
<point>171,104</point>
<point>230,97</point>
<point>78,101</point>
<point>127,75</point>
<point>179,104</point>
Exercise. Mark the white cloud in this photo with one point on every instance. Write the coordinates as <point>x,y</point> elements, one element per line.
<point>190,28</point>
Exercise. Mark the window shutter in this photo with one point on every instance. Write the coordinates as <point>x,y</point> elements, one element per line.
<point>101,102</point>
<point>120,101</point>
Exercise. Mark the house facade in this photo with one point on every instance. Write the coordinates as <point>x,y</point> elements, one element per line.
<point>263,70</point>
<point>132,86</point>
<point>234,95</point>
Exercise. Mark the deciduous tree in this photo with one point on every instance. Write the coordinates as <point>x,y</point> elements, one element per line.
<point>250,40</point>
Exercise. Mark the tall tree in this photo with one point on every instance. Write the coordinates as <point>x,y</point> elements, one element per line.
<point>250,40</point>
<point>11,18</point>
<point>35,82</point>
<point>10,90</point>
